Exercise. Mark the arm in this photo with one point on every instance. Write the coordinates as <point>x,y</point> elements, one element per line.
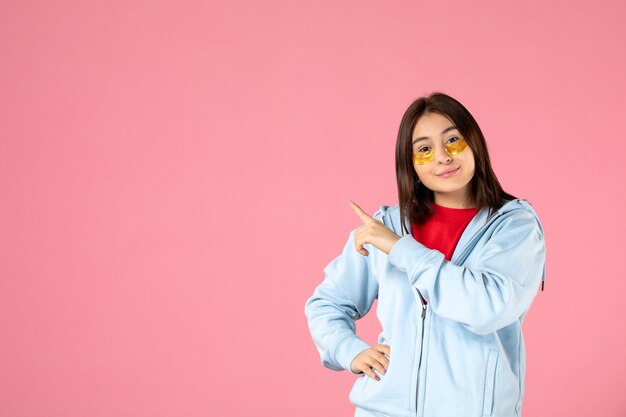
<point>345,295</point>
<point>493,293</point>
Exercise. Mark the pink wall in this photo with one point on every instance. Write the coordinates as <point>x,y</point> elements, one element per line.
<point>174,176</point>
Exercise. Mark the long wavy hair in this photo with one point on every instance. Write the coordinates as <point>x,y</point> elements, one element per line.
<point>414,197</point>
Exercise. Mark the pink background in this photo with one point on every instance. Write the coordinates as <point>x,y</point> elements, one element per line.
<point>174,177</point>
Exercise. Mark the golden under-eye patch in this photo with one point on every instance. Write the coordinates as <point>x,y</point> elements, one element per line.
<point>455,148</point>
<point>422,158</point>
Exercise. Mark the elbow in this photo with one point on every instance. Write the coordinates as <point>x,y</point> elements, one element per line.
<point>497,313</point>
<point>508,310</point>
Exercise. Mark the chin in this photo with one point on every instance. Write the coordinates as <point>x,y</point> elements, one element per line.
<point>445,186</point>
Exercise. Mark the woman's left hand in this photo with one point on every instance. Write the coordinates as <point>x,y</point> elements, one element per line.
<point>373,232</point>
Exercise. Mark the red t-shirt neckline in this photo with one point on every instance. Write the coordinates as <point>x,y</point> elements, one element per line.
<point>443,229</point>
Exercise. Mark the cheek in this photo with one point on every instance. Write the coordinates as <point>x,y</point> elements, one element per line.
<point>466,158</point>
<point>469,160</point>
<point>469,165</point>
<point>420,170</point>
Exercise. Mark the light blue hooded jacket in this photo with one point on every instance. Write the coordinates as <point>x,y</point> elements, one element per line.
<point>462,353</point>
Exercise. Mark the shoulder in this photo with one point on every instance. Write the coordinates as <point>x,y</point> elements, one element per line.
<point>519,213</point>
<point>386,210</point>
<point>390,216</point>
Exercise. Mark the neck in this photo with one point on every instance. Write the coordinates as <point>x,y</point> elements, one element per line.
<point>451,201</point>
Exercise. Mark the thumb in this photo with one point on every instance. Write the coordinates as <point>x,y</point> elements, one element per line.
<point>386,349</point>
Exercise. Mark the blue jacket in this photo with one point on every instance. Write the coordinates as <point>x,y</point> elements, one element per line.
<point>462,353</point>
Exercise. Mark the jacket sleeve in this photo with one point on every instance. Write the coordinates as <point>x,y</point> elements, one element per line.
<point>346,294</point>
<point>494,292</point>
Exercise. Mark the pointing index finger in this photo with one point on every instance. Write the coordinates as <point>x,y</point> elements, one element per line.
<point>366,218</point>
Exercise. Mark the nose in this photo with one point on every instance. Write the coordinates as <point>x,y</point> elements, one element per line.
<point>442,157</point>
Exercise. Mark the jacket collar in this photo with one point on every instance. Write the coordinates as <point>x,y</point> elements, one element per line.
<point>390,216</point>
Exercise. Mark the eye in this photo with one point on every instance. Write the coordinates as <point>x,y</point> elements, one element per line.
<point>423,149</point>
<point>453,141</point>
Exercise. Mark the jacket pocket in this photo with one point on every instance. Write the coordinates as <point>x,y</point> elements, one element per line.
<point>367,379</point>
<point>490,382</point>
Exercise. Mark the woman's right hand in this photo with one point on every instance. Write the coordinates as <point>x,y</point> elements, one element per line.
<point>370,359</point>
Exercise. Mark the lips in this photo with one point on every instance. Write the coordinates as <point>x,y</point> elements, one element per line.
<point>447,171</point>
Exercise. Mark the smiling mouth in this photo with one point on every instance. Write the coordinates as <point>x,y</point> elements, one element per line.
<point>449,173</point>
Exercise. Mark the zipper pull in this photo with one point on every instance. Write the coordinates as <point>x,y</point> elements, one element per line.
<point>422,302</point>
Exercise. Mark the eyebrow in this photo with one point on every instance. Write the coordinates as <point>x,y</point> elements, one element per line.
<point>427,137</point>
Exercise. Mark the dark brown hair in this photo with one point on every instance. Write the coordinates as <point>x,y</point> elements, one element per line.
<point>414,197</point>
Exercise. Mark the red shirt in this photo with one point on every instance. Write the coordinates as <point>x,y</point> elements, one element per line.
<point>443,229</point>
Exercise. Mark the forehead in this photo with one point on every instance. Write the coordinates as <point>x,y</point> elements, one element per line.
<point>431,125</point>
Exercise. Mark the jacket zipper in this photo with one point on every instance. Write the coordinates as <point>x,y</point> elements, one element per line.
<point>425,306</point>
<point>419,365</point>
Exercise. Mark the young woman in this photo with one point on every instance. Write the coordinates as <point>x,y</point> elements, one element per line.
<point>455,267</point>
